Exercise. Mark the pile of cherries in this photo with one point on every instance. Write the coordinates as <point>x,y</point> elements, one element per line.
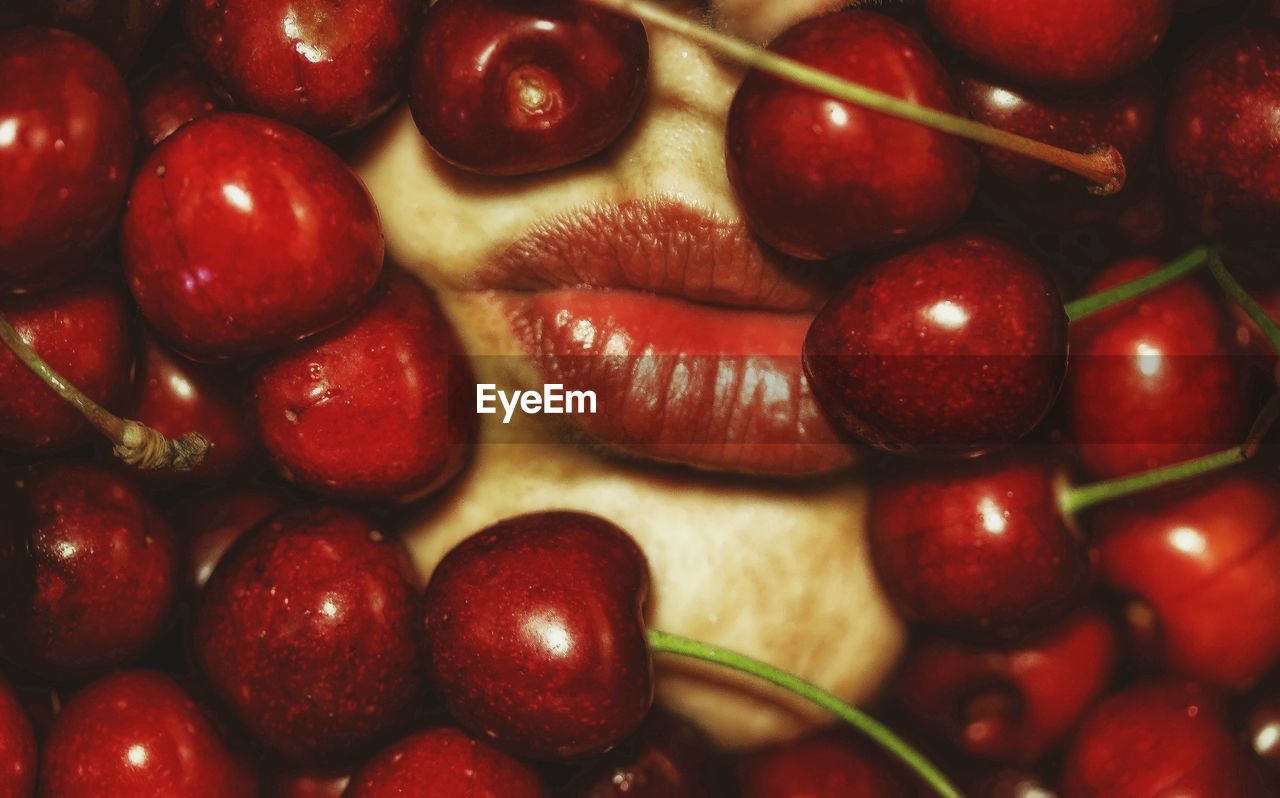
<point>179,243</point>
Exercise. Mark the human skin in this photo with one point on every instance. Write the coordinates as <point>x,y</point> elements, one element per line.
<point>774,567</point>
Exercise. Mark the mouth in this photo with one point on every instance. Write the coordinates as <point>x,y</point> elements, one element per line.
<point>687,331</point>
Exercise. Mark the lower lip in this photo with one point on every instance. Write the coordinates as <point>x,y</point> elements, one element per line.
<point>711,387</point>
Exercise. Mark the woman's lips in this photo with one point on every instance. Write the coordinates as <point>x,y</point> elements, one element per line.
<point>689,334</point>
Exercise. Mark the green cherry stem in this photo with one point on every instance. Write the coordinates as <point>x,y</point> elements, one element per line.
<point>134,442</point>
<point>1174,270</point>
<point>1241,297</point>
<point>1103,166</point>
<point>663,642</point>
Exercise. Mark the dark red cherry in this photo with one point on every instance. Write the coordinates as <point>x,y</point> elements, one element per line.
<point>308,632</point>
<point>1263,728</point>
<point>372,409</point>
<point>827,765</point>
<point>817,177</point>
<point>137,734</point>
<point>17,746</point>
<point>66,147</point>
<point>1157,380</point>
<point>316,783</point>
<point>1221,137</point>
<point>978,547</point>
<point>120,27</point>
<point>502,88</point>
<point>1204,559</point>
<point>243,235</point>
<point>85,332</point>
<point>87,569</point>
<point>170,96</point>
<point>209,523</point>
<point>967,312</point>
<point>443,763</point>
<point>536,635</point>
<point>326,67</point>
<point>668,758</point>
<point>1054,42</point>
<point>1011,703</point>
<point>177,396</point>
<point>1156,740</point>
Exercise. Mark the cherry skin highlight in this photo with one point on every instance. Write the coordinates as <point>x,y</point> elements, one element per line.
<point>1058,43</point>
<point>137,734</point>
<point>374,409</point>
<point>1204,559</point>
<point>979,547</point>
<point>306,630</point>
<point>502,88</point>
<point>826,765</point>
<point>817,177</point>
<point>441,763</point>
<point>243,235</point>
<point>66,148</point>
<point>211,522</point>
<point>85,333</point>
<point>327,68</point>
<point>17,746</point>
<point>668,758</point>
<point>88,569</point>
<point>170,96</point>
<point>967,312</point>
<point>1157,380</point>
<point>536,635</point>
<point>310,784</point>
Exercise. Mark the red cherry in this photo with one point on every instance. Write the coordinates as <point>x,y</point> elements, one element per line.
<point>829,765</point>
<point>326,67</point>
<point>1155,740</point>
<point>66,147</point>
<point>1011,784</point>
<point>85,332</point>
<point>1011,703</point>
<point>1157,380</point>
<point>536,635</point>
<point>211,522</point>
<point>172,95</point>
<point>817,177</point>
<point>445,762</point>
<point>502,88</point>
<point>1263,728</point>
<point>307,631</point>
<point>243,235</point>
<point>120,27</point>
<point>138,734</point>
<point>17,746</point>
<point>1221,138</point>
<point>981,547</point>
<point>310,784</point>
<point>372,409</point>
<point>87,571</point>
<point>1205,559</point>
<point>1054,42</point>
<point>968,312</point>
<point>668,758</point>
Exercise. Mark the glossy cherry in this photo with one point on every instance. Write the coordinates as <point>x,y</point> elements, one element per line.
<point>85,332</point>
<point>827,765</point>
<point>374,409</point>
<point>1061,43</point>
<point>1157,380</point>
<point>137,734</point>
<point>967,312</point>
<point>66,148</point>
<point>210,522</point>
<point>1156,739</point>
<point>444,762</point>
<point>243,235</point>
<point>1263,728</point>
<point>120,27</point>
<point>668,758</point>
<point>503,88</point>
<point>307,631</point>
<point>977,547</point>
<point>1221,140</point>
<point>17,746</point>
<point>88,570</point>
<point>1204,560</point>
<point>170,96</point>
<point>327,68</point>
<point>817,177</point>
<point>1011,703</point>
<point>317,783</point>
<point>536,635</point>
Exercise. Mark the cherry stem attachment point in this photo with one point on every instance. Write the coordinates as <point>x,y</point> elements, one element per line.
<point>662,642</point>
<point>1116,295</point>
<point>1232,287</point>
<point>1103,166</point>
<point>134,442</point>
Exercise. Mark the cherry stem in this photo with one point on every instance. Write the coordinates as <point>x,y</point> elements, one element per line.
<point>1241,297</point>
<point>664,642</point>
<point>1174,270</point>
<point>1103,166</point>
<point>134,442</point>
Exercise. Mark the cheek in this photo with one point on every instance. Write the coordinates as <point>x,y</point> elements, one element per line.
<point>763,20</point>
